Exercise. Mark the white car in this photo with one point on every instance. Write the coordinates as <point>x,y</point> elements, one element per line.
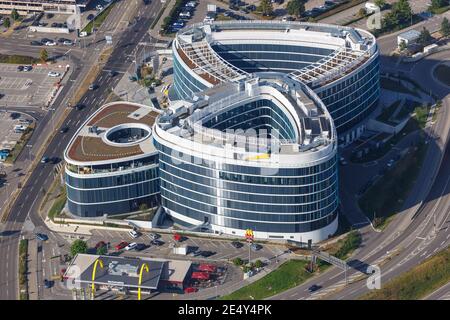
<point>134,234</point>
<point>99,7</point>
<point>54,74</point>
<point>68,42</point>
<point>185,14</point>
<point>50,43</point>
<point>131,246</point>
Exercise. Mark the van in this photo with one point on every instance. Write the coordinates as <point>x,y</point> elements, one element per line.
<point>134,234</point>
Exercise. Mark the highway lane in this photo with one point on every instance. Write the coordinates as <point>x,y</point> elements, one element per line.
<point>443,293</point>
<point>41,178</point>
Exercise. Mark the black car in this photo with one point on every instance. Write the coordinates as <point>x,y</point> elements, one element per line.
<point>47,283</point>
<point>64,129</point>
<point>90,17</point>
<point>79,107</point>
<point>19,68</point>
<point>206,254</point>
<point>41,236</point>
<point>314,288</point>
<point>237,244</point>
<point>36,43</point>
<point>157,242</point>
<point>140,247</point>
<point>55,160</point>
<point>112,73</point>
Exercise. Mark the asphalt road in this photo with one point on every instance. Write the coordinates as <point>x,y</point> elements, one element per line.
<point>41,178</point>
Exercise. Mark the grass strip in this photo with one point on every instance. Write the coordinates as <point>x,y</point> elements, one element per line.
<point>418,282</point>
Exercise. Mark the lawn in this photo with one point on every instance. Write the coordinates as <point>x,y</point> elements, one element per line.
<point>17,59</point>
<point>58,204</point>
<point>442,73</point>
<point>418,282</point>
<point>97,22</point>
<point>23,270</point>
<point>288,275</point>
<point>388,194</point>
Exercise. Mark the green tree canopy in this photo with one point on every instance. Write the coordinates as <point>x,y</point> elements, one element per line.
<point>295,7</point>
<point>445,27</point>
<point>266,8</point>
<point>78,246</point>
<point>14,14</point>
<point>7,23</point>
<point>425,37</point>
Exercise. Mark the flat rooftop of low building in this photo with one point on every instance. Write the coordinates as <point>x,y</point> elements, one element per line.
<point>91,142</point>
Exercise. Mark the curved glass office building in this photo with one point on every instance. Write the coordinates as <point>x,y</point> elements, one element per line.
<point>259,153</point>
<point>340,64</point>
<point>111,163</point>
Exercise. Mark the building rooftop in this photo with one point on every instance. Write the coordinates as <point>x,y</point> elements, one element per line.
<point>116,131</point>
<point>351,47</point>
<point>116,271</point>
<point>191,123</point>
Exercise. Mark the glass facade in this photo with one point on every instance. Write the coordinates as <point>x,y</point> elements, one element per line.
<point>95,195</point>
<point>291,201</point>
<point>348,100</point>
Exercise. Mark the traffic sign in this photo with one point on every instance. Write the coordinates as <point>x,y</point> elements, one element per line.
<point>249,235</point>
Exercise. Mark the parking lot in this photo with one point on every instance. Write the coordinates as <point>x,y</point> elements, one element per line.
<point>222,249</point>
<point>9,136</point>
<point>28,88</point>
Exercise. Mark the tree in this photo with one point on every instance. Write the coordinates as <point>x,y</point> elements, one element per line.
<point>437,4</point>
<point>402,46</point>
<point>43,55</point>
<point>265,6</point>
<point>78,246</point>
<point>380,3</point>
<point>424,37</point>
<point>295,7</point>
<point>445,27</point>
<point>400,14</point>
<point>362,12</point>
<point>101,251</point>
<point>258,264</point>
<point>237,261</point>
<point>7,23</point>
<point>14,14</point>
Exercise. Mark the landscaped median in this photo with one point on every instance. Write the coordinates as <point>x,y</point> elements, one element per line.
<point>418,282</point>
<point>23,269</point>
<point>98,20</point>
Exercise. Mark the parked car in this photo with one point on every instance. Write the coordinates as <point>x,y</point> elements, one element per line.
<point>255,247</point>
<point>19,68</point>
<point>54,74</point>
<point>190,290</point>
<point>121,245</point>
<point>140,247</point>
<point>90,17</point>
<point>27,68</point>
<point>157,242</point>
<point>48,283</point>
<point>49,43</point>
<point>68,42</point>
<point>131,246</point>
<point>237,244</point>
<point>41,236</point>
<point>185,15</point>
<point>134,234</point>
<point>206,254</point>
<point>99,7</point>
<point>35,43</point>
<point>154,236</point>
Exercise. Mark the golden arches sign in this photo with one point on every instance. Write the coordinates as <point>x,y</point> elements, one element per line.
<point>144,266</point>
<point>93,275</point>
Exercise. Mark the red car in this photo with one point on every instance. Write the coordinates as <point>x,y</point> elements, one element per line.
<point>100,244</point>
<point>190,290</point>
<point>121,245</point>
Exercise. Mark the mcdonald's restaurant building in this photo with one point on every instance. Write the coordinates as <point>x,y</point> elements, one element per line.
<point>126,275</point>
